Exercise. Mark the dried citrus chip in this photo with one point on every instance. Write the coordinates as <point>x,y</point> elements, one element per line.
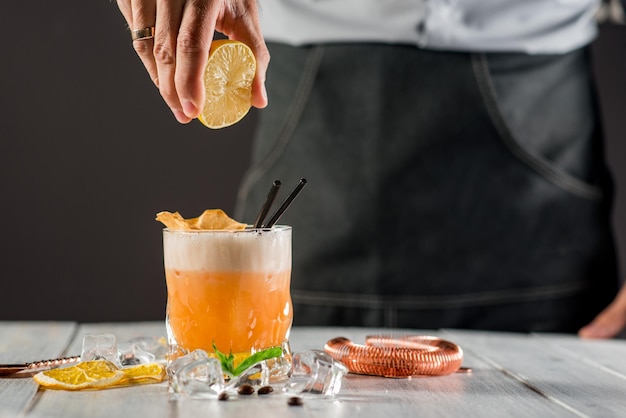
<point>228,80</point>
<point>211,219</point>
<point>85,375</point>
<point>143,373</point>
<point>172,220</point>
<point>99,374</point>
<point>216,219</point>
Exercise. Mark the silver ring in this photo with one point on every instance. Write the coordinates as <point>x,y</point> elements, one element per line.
<point>144,33</point>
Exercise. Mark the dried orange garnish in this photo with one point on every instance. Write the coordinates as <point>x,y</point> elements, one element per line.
<point>99,374</point>
<point>211,219</point>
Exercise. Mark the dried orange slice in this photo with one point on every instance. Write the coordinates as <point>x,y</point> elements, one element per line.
<point>210,219</point>
<point>99,374</point>
<point>228,83</point>
<point>143,373</point>
<point>86,375</point>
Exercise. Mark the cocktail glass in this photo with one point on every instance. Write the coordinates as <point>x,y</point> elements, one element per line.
<point>229,290</point>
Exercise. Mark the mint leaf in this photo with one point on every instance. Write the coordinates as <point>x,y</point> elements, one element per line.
<point>256,358</point>
<point>227,361</point>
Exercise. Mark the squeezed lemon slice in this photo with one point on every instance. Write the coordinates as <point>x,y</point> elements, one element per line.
<point>228,80</point>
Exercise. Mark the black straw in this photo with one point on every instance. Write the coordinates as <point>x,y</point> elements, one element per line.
<point>271,195</point>
<point>283,207</point>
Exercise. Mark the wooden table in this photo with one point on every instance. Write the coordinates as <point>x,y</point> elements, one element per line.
<point>514,375</point>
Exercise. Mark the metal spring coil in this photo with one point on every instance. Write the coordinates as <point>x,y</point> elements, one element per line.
<point>397,356</point>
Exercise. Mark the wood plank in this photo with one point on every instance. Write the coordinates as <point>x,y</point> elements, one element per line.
<point>25,342</point>
<point>140,401</point>
<point>488,391</point>
<point>604,354</point>
<point>558,375</point>
<point>483,393</point>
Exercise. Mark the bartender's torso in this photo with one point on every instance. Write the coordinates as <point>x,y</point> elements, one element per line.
<point>531,26</point>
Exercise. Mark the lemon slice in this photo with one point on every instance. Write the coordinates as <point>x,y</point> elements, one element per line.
<point>99,374</point>
<point>89,374</point>
<point>228,83</point>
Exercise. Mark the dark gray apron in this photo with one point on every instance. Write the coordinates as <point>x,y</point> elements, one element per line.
<point>445,189</point>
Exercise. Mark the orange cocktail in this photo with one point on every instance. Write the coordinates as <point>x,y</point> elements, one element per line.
<point>228,288</point>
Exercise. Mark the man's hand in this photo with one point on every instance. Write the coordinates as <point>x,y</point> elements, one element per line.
<point>610,322</point>
<point>176,57</point>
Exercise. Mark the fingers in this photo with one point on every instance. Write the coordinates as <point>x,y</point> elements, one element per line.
<point>259,95</point>
<point>176,57</point>
<point>125,8</point>
<point>142,16</point>
<point>168,17</point>
<point>257,43</point>
<point>192,51</point>
<point>243,25</point>
<point>610,322</point>
<point>239,20</point>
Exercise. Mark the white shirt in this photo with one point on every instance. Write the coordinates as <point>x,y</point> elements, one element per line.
<point>532,26</point>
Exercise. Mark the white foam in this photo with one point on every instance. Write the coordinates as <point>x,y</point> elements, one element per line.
<point>268,250</point>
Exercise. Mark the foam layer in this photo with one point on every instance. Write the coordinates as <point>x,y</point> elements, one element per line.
<point>228,250</point>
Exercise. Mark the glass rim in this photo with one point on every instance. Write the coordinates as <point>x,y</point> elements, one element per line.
<point>275,228</point>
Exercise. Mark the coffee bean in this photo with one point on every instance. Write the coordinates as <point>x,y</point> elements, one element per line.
<point>245,390</point>
<point>294,401</point>
<point>223,396</point>
<point>265,390</point>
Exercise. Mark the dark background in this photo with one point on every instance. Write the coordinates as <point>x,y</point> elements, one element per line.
<point>89,154</point>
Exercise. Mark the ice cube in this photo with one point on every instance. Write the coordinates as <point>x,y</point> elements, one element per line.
<point>100,346</point>
<point>195,376</point>
<point>142,350</point>
<point>315,372</point>
<point>131,354</point>
<point>280,367</point>
<point>255,375</point>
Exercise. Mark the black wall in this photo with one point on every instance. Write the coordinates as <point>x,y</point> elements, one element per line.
<point>89,154</point>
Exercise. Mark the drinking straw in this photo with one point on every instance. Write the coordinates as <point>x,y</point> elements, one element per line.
<point>283,207</point>
<point>268,203</point>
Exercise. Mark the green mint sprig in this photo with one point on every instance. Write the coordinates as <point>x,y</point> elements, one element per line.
<point>228,361</point>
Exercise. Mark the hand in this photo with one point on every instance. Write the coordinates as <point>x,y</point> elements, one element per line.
<point>610,322</point>
<point>175,58</point>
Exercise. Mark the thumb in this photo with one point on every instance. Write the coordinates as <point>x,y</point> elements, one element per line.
<point>610,322</point>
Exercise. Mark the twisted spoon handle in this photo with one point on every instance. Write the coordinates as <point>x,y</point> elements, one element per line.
<point>8,369</point>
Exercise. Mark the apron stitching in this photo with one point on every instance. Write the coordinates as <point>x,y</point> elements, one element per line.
<point>390,316</point>
<point>533,160</point>
<point>433,302</point>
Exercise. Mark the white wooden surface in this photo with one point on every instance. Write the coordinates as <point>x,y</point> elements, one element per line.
<point>27,342</point>
<point>514,375</point>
